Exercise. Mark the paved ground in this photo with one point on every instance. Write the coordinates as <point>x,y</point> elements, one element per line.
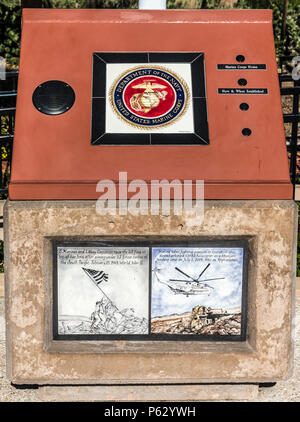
<point>284,391</point>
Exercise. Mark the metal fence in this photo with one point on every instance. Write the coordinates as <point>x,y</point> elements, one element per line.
<point>290,91</point>
<point>289,88</point>
<point>8,96</point>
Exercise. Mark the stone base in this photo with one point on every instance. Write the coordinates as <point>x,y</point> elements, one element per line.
<point>33,357</point>
<point>149,393</point>
<point>1,285</point>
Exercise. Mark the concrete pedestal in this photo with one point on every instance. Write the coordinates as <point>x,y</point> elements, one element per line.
<point>33,357</point>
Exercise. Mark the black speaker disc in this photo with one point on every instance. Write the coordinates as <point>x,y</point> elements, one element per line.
<point>53,97</point>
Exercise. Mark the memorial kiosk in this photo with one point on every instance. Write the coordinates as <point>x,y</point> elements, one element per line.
<point>159,299</point>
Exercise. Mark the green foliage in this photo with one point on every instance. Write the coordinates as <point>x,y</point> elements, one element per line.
<point>5,152</point>
<point>4,131</point>
<point>63,4</point>
<point>112,4</point>
<point>290,46</point>
<point>10,19</point>
<point>10,24</point>
<point>194,4</point>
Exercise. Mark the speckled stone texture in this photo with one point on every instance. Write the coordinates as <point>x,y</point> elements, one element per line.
<point>266,356</point>
<point>152,393</point>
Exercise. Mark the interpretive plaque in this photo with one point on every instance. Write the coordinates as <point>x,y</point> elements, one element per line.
<point>157,291</point>
<point>102,290</point>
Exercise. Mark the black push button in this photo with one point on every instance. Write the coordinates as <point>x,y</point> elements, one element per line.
<point>246,131</point>
<point>240,58</point>
<point>242,82</point>
<point>244,106</point>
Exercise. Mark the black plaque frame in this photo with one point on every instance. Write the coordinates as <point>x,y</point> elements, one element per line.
<point>98,130</point>
<point>152,243</point>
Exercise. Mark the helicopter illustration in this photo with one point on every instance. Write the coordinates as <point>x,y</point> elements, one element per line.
<point>189,286</point>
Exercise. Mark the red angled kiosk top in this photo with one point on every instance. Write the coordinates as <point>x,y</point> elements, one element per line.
<point>173,94</point>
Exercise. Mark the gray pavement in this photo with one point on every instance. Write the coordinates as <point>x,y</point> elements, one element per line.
<point>2,320</point>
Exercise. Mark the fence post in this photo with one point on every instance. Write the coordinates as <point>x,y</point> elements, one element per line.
<point>32,3</point>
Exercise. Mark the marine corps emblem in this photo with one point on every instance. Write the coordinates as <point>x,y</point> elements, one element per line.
<point>149,97</point>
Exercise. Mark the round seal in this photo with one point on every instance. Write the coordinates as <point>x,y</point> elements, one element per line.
<point>149,97</point>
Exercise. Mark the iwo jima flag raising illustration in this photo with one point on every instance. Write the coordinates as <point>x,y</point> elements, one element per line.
<point>106,317</point>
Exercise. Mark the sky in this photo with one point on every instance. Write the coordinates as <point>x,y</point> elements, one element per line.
<point>127,284</point>
<point>128,278</point>
<point>224,262</point>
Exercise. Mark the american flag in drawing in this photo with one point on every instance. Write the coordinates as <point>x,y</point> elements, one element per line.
<point>96,276</point>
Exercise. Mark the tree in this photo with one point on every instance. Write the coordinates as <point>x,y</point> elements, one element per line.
<point>286,18</point>
<point>10,33</point>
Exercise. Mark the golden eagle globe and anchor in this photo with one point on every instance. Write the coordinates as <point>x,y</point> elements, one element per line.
<point>149,97</point>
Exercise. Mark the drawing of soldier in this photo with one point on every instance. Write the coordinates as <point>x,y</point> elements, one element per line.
<point>132,324</point>
<point>97,317</point>
<point>106,316</point>
<point>112,315</point>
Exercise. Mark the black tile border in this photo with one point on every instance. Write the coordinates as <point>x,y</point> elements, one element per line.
<point>98,134</point>
<point>158,242</point>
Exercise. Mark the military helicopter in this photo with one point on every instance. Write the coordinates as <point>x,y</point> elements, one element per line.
<point>193,286</point>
